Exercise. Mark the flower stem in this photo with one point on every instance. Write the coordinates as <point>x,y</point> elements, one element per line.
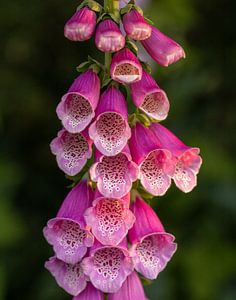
<point>113,7</point>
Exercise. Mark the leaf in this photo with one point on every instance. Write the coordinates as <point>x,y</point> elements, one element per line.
<point>95,6</point>
<point>83,67</point>
<point>126,9</point>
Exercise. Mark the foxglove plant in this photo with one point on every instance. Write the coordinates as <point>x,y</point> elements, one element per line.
<point>105,234</point>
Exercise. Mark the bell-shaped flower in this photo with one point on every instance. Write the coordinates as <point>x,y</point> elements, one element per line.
<point>67,233</point>
<point>81,26</point>
<point>156,165</point>
<point>132,289</point>
<point>109,218</point>
<point>108,37</point>
<point>70,277</point>
<point>125,67</point>
<point>72,150</point>
<point>114,174</point>
<point>135,25</point>
<point>108,266</point>
<point>148,97</point>
<point>90,293</point>
<point>77,106</point>
<point>163,49</point>
<point>110,131</point>
<point>188,161</point>
<point>152,248</point>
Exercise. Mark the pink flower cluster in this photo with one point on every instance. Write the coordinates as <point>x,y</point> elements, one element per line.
<point>104,233</point>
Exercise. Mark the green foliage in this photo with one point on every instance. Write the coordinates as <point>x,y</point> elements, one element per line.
<point>37,67</point>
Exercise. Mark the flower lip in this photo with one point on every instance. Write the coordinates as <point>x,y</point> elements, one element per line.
<point>69,277</point>
<point>75,118</point>
<point>108,266</point>
<point>156,104</point>
<point>125,67</point>
<point>110,219</point>
<point>72,150</point>
<point>156,171</point>
<point>152,253</point>
<point>110,138</point>
<point>69,238</point>
<point>114,174</point>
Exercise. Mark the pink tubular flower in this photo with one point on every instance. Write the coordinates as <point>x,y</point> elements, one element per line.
<point>108,37</point>
<point>152,247</point>
<point>136,26</point>
<point>156,165</point>
<point>90,293</point>
<point>108,266</point>
<point>67,233</point>
<point>77,106</point>
<point>188,159</point>
<point>110,219</point>
<point>131,289</point>
<point>72,151</point>
<point>110,131</point>
<point>148,97</point>
<point>125,67</point>
<point>69,277</point>
<point>81,26</point>
<point>162,49</point>
<point>114,174</point>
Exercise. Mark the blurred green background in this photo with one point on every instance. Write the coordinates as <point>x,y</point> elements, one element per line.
<point>38,65</point>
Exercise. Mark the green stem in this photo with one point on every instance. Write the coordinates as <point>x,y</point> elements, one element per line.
<point>113,7</point>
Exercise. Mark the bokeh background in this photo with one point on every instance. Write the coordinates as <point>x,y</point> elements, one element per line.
<point>38,65</point>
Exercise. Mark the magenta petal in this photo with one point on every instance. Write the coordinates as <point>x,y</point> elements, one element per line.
<point>108,37</point>
<point>188,161</point>
<point>77,106</point>
<point>90,293</point>
<point>148,97</point>
<point>110,220</point>
<point>67,233</point>
<point>108,267</point>
<point>136,26</point>
<point>152,246</point>
<point>131,289</point>
<point>162,49</point>
<point>114,175</point>
<point>146,222</point>
<point>152,253</point>
<point>156,165</point>
<point>125,67</point>
<point>72,151</point>
<point>69,277</point>
<point>81,25</point>
<point>110,131</point>
<point>141,143</point>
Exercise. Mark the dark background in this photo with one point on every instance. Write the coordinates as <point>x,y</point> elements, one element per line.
<point>38,65</point>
